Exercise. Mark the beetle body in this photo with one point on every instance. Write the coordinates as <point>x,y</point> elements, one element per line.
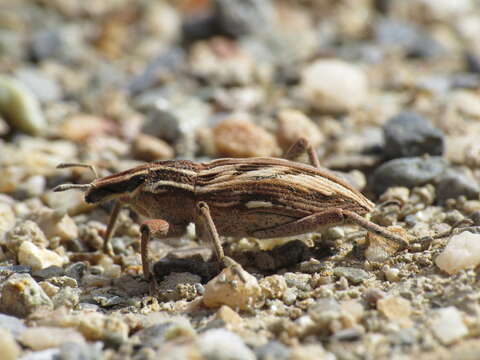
<point>246,197</point>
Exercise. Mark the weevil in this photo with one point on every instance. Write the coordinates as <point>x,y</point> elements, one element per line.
<point>251,197</point>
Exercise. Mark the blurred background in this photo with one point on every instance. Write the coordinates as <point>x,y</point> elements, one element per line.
<point>117,82</point>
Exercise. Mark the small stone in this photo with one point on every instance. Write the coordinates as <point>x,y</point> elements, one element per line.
<point>47,354</point>
<point>461,252</point>
<point>235,137</point>
<point>273,287</point>
<point>43,337</point>
<point>45,44</point>
<point>447,324</point>
<point>21,295</point>
<point>44,88</point>
<point>373,295</point>
<point>80,351</point>
<point>26,231</point>
<point>48,272</point>
<point>228,288</point>
<point>228,316</point>
<point>293,125</point>
<point>323,312</point>
<point>31,255</point>
<point>396,309</point>
<point>54,223</point>
<point>81,127</point>
<point>409,134</point>
<point>311,351</point>
<point>334,86</point>
<point>156,335</point>
<point>20,107</point>
<point>171,287</point>
<point>454,184</point>
<point>392,274</point>
<point>353,275</point>
<point>273,350</point>
<point>150,148</point>
<point>7,218</point>
<point>10,348</point>
<point>50,289</point>
<point>14,325</point>
<point>223,344</point>
<point>466,103</point>
<point>407,172</point>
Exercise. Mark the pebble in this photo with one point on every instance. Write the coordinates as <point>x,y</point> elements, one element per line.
<point>461,252</point>
<point>10,349</point>
<point>48,272</point>
<point>20,107</point>
<point>176,286</point>
<point>238,19</point>
<point>44,337</point>
<point>45,44</point>
<point>447,324</point>
<point>7,218</point>
<point>31,255</point>
<point>408,172</point>
<point>175,119</point>
<point>409,134</point>
<point>21,295</point>
<point>412,39</point>
<point>43,87</point>
<point>292,125</point>
<point>353,275</point>
<point>273,287</point>
<point>229,289</point>
<point>80,351</point>
<point>228,317</point>
<point>82,127</point>
<point>223,344</point>
<point>334,86</point>
<point>54,223</point>
<point>12,324</point>
<point>48,354</point>
<point>150,148</point>
<point>25,231</point>
<point>396,309</point>
<point>235,137</point>
<point>454,184</point>
<point>311,351</point>
<point>273,350</point>
<point>156,335</point>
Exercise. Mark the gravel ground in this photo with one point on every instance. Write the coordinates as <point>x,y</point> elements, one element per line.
<point>388,93</point>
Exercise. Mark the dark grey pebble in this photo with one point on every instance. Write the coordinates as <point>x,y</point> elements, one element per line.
<point>413,40</point>
<point>410,134</point>
<point>18,269</point>
<point>408,172</point>
<point>48,272</point>
<point>76,270</point>
<point>453,184</point>
<point>45,44</point>
<point>272,350</point>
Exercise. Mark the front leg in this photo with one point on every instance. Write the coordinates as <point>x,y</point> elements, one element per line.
<point>205,225</point>
<point>301,146</point>
<point>158,228</point>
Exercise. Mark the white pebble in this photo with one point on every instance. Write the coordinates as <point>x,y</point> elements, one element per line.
<point>334,86</point>
<point>448,325</point>
<point>223,344</point>
<point>461,252</point>
<point>31,255</point>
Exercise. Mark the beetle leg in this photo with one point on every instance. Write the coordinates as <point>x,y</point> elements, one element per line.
<point>211,232</point>
<point>326,218</point>
<point>302,145</point>
<point>112,222</point>
<point>376,229</point>
<point>158,228</point>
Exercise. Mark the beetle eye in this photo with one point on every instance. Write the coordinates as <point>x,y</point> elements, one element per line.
<point>101,192</point>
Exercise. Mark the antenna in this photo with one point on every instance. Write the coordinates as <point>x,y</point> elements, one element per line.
<point>69,165</point>
<point>65,187</point>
